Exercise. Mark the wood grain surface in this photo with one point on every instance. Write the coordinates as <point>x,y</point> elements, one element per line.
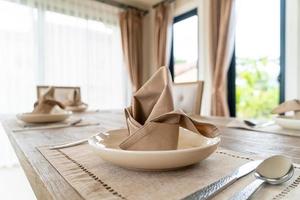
<point>47,183</point>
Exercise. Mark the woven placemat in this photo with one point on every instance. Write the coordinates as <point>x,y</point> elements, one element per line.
<point>94,178</point>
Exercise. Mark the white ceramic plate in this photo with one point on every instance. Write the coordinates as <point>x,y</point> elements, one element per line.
<point>44,118</point>
<point>192,148</point>
<point>287,122</point>
<point>80,108</point>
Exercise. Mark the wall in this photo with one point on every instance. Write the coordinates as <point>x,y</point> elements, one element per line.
<point>292,68</point>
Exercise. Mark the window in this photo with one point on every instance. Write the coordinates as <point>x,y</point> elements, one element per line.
<point>49,48</point>
<point>258,59</point>
<point>184,58</point>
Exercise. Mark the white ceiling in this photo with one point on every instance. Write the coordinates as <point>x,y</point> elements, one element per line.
<point>140,3</point>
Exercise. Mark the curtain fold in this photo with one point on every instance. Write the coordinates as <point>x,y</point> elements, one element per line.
<point>222,15</point>
<point>131,24</point>
<point>164,14</point>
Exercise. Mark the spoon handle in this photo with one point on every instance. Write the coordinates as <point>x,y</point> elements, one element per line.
<point>248,191</point>
<point>71,144</point>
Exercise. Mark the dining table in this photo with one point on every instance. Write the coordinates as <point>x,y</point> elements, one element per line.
<point>47,183</point>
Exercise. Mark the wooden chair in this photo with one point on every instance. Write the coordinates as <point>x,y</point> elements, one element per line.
<point>188,96</point>
<point>61,93</point>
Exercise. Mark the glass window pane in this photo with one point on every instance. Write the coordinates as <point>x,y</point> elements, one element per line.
<point>257,57</point>
<point>185,44</point>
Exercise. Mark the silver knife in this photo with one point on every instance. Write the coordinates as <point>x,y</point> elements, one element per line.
<point>214,188</point>
<point>54,126</point>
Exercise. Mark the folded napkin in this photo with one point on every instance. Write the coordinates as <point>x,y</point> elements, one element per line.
<point>46,102</point>
<point>151,120</point>
<point>75,100</point>
<point>291,105</point>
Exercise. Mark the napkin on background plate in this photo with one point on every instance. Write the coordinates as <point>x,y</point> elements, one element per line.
<point>75,100</point>
<point>151,120</point>
<point>46,103</point>
<point>291,105</point>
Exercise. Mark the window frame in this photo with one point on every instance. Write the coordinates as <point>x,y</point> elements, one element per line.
<point>231,75</point>
<point>190,13</point>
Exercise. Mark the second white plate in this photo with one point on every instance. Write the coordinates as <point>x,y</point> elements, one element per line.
<point>44,118</point>
<point>81,108</point>
<point>287,122</point>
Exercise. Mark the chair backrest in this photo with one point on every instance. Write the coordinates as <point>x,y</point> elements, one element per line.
<point>61,93</point>
<point>188,96</point>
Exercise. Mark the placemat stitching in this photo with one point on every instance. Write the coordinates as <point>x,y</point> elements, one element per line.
<point>242,157</point>
<point>96,178</point>
<point>284,192</point>
<point>234,156</point>
<point>281,195</point>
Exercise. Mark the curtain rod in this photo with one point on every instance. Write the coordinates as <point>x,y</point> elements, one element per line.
<point>122,5</point>
<point>165,1</point>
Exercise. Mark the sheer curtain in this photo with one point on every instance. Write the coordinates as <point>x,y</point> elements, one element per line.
<point>17,56</point>
<point>70,42</point>
<point>85,53</point>
<point>54,42</point>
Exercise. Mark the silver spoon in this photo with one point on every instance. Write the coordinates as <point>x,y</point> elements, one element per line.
<point>274,170</point>
<point>254,124</point>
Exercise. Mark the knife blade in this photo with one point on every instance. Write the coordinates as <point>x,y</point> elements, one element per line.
<point>214,188</point>
<point>54,126</point>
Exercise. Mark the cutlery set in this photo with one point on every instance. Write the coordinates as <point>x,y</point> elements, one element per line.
<point>266,172</point>
<point>274,170</point>
<point>216,187</point>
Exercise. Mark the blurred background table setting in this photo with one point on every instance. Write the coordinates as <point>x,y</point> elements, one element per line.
<point>54,109</point>
<point>151,151</point>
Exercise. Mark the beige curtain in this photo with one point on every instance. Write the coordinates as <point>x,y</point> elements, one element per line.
<point>222,45</point>
<point>163,33</point>
<point>131,24</point>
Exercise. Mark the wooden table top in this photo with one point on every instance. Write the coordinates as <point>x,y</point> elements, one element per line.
<point>47,183</point>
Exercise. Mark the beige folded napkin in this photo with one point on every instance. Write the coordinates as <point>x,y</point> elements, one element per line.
<point>75,100</point>
<point>151,120</point>
<point>291,105</point>
<point>46,103</point>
